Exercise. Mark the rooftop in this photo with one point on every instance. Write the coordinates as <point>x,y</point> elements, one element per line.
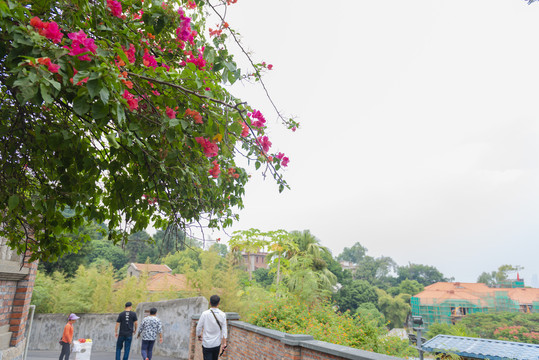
<point>482,348</point>
<point>152,267</point>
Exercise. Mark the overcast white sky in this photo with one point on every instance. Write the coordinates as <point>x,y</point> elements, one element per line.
<point>420,127</point>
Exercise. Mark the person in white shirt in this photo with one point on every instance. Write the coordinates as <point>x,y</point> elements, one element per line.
<point>211,330</point>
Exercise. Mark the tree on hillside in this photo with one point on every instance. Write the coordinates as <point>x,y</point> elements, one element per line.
<point>377,271</point>
<point>423,274</point>
<point>353,254</point>
<point>351,295</point>
<point>70,262</point>
<point>120,111</point>
<point>495,277</point>
<point>395,309</point>
<point>410,287</point>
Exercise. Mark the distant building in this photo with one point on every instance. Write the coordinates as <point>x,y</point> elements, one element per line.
<point>258,260</point>
<point>136,269</point>
<point>160,277</point>
<point>348,265</point>
<point>448,302</point>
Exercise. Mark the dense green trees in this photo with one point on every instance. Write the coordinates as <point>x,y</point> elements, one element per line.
<point>423,274</point>
<point>355,293</point>
<point>496,277</point>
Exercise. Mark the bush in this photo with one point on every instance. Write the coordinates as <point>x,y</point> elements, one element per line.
<point>324,323</point>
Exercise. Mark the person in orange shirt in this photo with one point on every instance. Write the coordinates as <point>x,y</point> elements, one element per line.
<point>67,337</point>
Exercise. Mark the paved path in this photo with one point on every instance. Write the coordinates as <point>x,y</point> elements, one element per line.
<point>97,355</point>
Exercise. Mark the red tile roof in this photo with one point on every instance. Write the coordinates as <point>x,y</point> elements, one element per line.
<point>152,268</point>
<point>474,292</point>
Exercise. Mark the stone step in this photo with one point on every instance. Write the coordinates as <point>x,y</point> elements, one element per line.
<point>4,329</point>
<point>5,339</point>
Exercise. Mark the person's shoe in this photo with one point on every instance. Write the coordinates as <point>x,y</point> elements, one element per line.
<point>147,359</point>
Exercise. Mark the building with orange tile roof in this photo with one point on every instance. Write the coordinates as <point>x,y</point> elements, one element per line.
<point>449,302</point>
<point>135,269</point>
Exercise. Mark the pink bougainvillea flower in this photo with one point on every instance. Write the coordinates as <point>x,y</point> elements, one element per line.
<point>130,53</point>
<point>115,8</point>
<point>260,120</point>
<point>210,149</point>
<point>284,159</point>
<point>244,130</point>
<point>270,67</point>
<point>138,16</point>
<point>47,62</point>
<point>264,142</point>
<point>191,4</point>
<point>199,61</point>
<point>294,129</point>
<point>215,170</point>
<point>48,29</point>
<point>52,32</point>
<point>148,60</point>
<point>170,113</point>
<point>184,33</point>
<point>53,68</point>
<point>132,102</point>
<point>81,44</point>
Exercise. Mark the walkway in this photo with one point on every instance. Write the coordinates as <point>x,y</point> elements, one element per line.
<point>48,355</point>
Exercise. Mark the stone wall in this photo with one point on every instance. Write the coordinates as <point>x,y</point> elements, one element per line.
<point>175,315</point>
<point>250,342</point>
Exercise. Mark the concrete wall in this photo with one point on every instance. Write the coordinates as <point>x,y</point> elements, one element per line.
<point>175,315</point>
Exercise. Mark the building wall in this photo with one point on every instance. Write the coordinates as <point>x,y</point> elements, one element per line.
<point>250,342</point>
<point>16,286</point>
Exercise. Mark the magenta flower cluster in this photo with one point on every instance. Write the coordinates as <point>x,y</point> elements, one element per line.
<point>115,8</point>
<point>81,44</point>
<point>260,120</point>
<point>184,32</point>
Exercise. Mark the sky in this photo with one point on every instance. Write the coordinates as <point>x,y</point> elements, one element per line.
<point>419,128</point>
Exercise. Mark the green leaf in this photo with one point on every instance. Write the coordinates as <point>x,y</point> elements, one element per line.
<point>173,122</point>
<point>104,94</point>
<point>112,141</point>
<point>120,113</point>
<point>55,84</point>
<point>257,165</point>
<point>236,128</point>
<point>121,53</point>
<point>45,94</point>
<point>93,88</point>
<point>80,104</point>
<point>99,110</point>
<point>13,202</point>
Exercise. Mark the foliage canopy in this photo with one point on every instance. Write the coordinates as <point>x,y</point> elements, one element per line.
<point>120,112</point>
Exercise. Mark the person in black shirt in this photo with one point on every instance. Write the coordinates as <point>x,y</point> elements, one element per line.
<point>127,326</point>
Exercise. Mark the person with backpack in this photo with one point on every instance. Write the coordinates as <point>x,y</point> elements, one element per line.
<point>126,327</point>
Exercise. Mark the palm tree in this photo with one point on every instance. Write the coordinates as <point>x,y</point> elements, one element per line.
<point>249,241</point>
<point>310,271</point>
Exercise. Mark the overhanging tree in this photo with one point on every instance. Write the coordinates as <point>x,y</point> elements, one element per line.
<point>119,110</point>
